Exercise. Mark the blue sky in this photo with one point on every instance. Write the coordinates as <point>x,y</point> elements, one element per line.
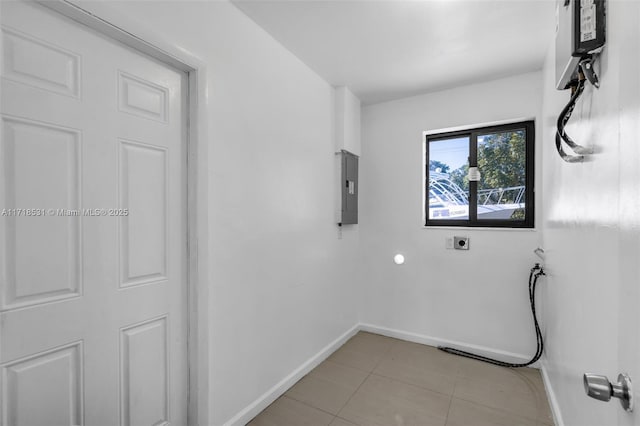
<point>454,152</point>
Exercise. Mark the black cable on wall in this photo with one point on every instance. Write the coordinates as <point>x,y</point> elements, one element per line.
<point>535,273</point>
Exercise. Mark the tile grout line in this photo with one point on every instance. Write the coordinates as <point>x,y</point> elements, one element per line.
<point>455,383</point>
<point>396,379</point>
<point>307,404</point>
<point>351,397</point>
<point>369,374</point>
<point>413,384</point>
<point>500,410</point>
<point>362,383</point>
<point>533,388</point>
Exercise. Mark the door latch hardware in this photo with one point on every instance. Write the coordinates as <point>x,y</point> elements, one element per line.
<point>599,387</point>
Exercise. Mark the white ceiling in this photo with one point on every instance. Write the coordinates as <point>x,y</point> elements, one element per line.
<point>389,49</point>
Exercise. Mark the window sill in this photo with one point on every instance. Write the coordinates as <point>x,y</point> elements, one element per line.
<point>478,228</point>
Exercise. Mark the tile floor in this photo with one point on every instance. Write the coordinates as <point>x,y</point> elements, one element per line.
<point>378,381</point>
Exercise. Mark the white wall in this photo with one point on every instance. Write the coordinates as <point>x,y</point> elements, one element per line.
<point>476,297</point>
<point>282,282</point>
<point>347,121</point>
<point>591,228</point>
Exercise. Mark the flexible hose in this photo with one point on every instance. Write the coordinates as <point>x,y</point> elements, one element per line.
<point>561,135</point>
<point>585,72</point>
<point>535,273</point>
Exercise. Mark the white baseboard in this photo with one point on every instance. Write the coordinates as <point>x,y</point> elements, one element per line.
<point>435,341</point>
<point>551,396</point>
<point>253,409</point>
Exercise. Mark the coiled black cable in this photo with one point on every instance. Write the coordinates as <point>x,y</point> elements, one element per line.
<point>534,274</point>
<point>561,134</point>
<point>585,72</point>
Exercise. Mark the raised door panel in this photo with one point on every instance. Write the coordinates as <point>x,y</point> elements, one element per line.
<point>44,389</point>
<point>40,64</point>
<point>143,98</point>
<point>41,179</point>
<point>143,194</point>
<point>144,364</point>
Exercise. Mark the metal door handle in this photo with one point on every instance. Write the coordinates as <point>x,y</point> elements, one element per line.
<point>600,388</point>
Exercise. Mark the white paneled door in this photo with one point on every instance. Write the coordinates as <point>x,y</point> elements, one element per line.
<point>93,228</point>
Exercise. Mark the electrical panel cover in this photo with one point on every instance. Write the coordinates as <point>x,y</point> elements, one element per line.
<point>349,213</point>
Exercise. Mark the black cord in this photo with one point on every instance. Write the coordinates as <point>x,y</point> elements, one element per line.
<point>534,274</point>
<point>585,72</point>
<point>561,135</point>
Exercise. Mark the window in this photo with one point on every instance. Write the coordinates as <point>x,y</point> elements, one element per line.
<point>504,194</point>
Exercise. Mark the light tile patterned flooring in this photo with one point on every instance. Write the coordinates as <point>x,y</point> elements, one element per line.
<point>378,381</point>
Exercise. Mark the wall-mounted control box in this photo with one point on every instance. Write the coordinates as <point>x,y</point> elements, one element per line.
<point>349,184</point>
<point>580,32</point>
<point>461,243</point>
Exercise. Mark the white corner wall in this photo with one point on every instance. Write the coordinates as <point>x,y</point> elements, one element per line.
<point>347,121</point>
<point>476,297</point>
<point>592,229</point>
<point>282,281</point>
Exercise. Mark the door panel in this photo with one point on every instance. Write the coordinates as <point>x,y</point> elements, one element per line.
<point>35,62</point>
<point>142,98</point>
<point>54,379</point>
<point>29,149</point>
<point>93,284</point>
<point>143,232</point>
<point>144,385</point>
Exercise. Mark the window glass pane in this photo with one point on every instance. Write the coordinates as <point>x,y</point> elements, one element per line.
<point>502,165</point>
<point>448,188</point>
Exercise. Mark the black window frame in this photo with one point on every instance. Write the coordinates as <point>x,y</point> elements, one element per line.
<point>473,222</point>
